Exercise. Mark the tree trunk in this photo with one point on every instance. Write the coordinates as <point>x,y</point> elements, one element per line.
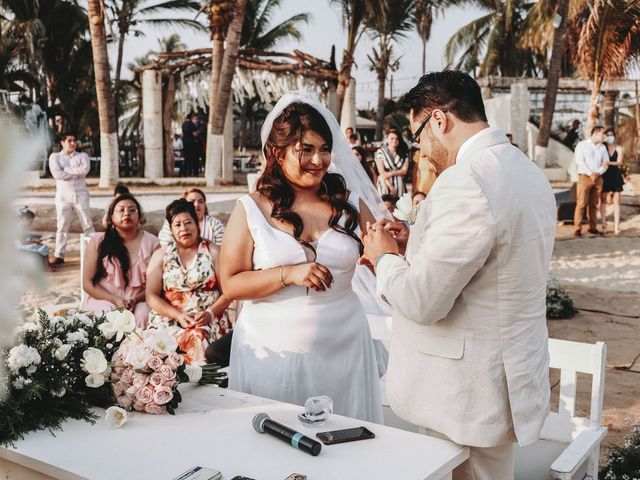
<point>167,114</point>
<point>424,56</point>
<point>553,79</point>
<point>217,53</point>
<point>382,78</point>
<point>227,71</point>
<point>344,77</point>
<point>609,109</point>
<point>594,111</point>
<point>117,82</point>
<point>109,163</point>
<point>242,132</point>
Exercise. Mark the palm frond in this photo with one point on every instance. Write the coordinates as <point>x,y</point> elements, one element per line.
<point>285,30</point>
<point>178,23</point>
<point>466,36</point>
<point>168,6</point>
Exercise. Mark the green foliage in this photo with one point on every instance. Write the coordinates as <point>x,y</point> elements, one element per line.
<point>559,303</point>
<point>623,462</point>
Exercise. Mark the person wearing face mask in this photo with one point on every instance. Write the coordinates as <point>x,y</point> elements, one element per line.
<point>612,183</point>
<point>183,290</point>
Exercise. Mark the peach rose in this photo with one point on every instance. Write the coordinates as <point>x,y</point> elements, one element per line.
<point>167,372</point>
<point>162,395</point>
<point>174,360</point>
<point>154,363</point>
<point>154,409</point>
<point>138,407</point>
<point>156,379</point>
<point>140,380</point>
<point>144,395</point>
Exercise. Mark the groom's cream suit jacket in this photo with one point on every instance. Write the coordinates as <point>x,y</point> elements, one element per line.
<point>469,356</point>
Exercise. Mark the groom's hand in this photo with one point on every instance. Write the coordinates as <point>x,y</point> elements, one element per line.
<point>399,231</point>
<point>378,240</point>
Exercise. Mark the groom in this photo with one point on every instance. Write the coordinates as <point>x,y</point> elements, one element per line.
<point>469,359</point>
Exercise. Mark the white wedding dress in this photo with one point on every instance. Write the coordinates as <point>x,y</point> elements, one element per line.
<point>294,345</point>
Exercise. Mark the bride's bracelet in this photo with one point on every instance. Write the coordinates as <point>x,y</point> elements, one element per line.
<point>284,285</point>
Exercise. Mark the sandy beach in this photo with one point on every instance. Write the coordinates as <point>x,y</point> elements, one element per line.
<point>602,275</point>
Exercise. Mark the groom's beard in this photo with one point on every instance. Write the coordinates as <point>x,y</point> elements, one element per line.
<point>439,157</point>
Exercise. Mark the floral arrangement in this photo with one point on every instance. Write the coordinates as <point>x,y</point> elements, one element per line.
<point>559,303</point>
<point>623,462</point>
<point>60,369</point>
<point>405,211</point>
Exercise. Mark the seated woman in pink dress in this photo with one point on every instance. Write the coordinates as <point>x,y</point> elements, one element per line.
<point>115,262</point>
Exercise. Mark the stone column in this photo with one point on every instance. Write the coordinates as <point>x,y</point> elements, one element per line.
<point>348,116</point>
<point>520,107</point>
<point>152,123</point>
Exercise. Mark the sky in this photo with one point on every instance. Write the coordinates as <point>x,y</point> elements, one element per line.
<point>324,30</point>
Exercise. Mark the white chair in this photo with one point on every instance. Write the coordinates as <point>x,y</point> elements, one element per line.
<point>84,241</point>
<point>569,446</point>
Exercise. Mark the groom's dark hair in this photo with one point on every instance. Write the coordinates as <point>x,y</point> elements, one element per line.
<point>451,89</point>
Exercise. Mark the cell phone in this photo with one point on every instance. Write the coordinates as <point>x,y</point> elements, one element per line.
<point>346,435</point>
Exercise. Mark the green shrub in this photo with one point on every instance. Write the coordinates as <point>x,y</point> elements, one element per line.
<point>559,303</point>
<point>624,461</point>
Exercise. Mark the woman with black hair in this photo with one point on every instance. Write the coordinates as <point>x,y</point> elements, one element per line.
<point>392,162</point>
<point>182,285</point>
<point>115,262</point>
<point>290,250</point>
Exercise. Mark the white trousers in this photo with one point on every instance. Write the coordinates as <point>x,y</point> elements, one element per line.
<point>64,212</point>
<point>490,463</point>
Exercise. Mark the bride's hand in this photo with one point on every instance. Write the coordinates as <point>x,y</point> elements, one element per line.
<point>310,275</point>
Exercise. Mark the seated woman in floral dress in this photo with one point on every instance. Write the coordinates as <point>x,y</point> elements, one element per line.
<point>182,285</point>
<point>116,261</point>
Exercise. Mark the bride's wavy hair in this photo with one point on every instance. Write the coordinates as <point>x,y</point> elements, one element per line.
<point>288,130</point>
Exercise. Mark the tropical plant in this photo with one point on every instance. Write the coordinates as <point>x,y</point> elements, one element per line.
<point>489,45</point>
<point>259,33</point>
<point>387,21</point>
<point>353,13</point>
<point>109,153</point>
<point>172,43</point>
<point>607,39</point>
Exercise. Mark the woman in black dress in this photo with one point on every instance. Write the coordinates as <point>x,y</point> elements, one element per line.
<point>612,182</point>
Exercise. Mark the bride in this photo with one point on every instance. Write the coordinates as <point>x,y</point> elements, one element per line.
<point>291,249</point>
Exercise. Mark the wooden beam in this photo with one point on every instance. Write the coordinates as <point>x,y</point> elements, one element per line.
<point>622,85</point>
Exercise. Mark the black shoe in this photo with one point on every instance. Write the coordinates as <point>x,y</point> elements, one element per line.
<point>577,233</point>
<point>595,231</point>
<point>57,261</point>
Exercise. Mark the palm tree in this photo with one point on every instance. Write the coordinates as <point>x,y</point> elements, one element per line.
<point>222,78</point>
<point>387,21</point>
<point>495,35</point>
<point>109,163</point>
<point>608,42</point>
<point>353,14</point>
<point>258,33</point>
<point>172,43</point>
<point>423,18</point>
<point>129,15</point>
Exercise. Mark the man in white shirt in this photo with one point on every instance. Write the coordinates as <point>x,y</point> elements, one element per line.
<point>70,168</point>
<point>469,357</point>
<point>591,161</point>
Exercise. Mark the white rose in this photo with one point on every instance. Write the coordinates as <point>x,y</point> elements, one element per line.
<point>115,417</point>
<point>138,357</point>
<point>94,380</point>
<point>405,211</point>
<point>160,340</point>
<point>94,361</point>
<point>62,351</point>
<point>194,372</point>
<point>22,356</point>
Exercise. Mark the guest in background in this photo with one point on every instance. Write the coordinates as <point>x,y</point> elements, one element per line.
<point>591,162</point>
<point>211,229</point>
<point>30,242</point>
<point>612,182</point>
<point>573,134</point>
<point>510,137</point>
<point>352,137</point>
<point>120,189</point>
<point>116,261</point>
<point>193,144</point>
<point>369,167</point>
<point>392,161</point>
<point>182,285</point>
<point>70,168</point>
<point>390,202</point>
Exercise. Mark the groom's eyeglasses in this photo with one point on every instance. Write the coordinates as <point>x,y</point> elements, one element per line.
<point>415,138</point>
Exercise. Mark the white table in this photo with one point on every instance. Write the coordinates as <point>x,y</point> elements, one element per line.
<point>212,428</point>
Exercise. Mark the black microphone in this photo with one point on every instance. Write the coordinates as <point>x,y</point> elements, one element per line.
<point>263,424</point>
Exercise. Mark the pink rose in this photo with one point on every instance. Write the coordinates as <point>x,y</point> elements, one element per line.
<point>139,380</point>
<point>156,379</point>
<point>127,376</point>
<point>119,388</point>
<point>162,395</point>
<point>131,391</point>
<point>154,363</point>
<point>167,372</point>
<point>145,394</point>
<point>138,407</point>
<point>125,402</point>
<point>171,383</point>
<point>154,409</point>
<point>174,360</point>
